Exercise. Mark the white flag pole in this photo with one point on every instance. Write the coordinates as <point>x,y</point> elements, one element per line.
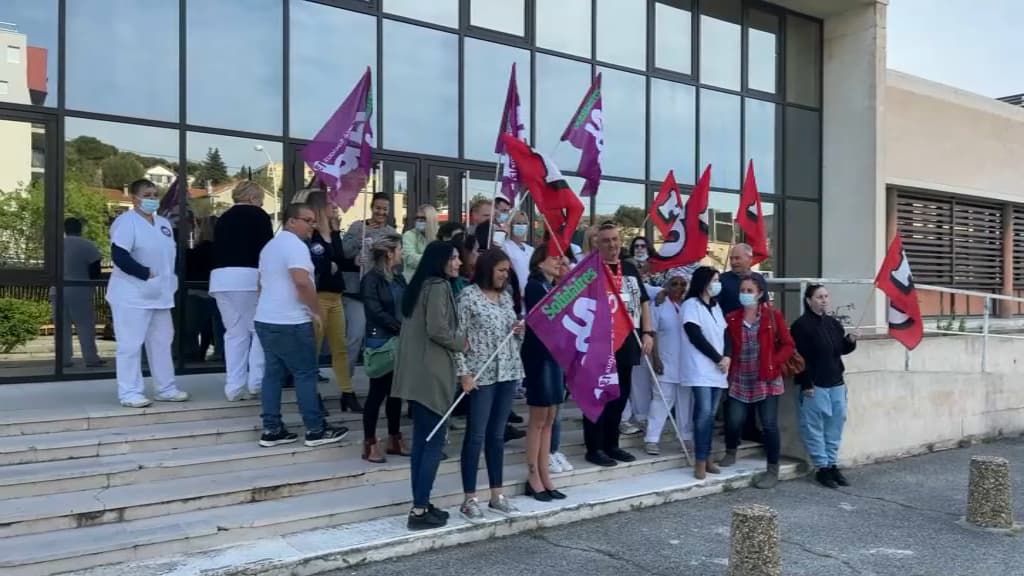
<point>657,384</point>
<point>463,394</point>
<point>494,199</point>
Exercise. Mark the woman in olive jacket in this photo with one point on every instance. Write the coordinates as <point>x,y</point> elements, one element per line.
<point>425,370</point>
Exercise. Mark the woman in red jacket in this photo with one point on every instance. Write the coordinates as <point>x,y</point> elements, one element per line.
<point>761,344</point>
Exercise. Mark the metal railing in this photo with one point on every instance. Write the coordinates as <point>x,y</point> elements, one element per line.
<point>986,319</point>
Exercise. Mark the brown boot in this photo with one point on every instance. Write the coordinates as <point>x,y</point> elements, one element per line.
<point>371,451</point>
<point>397,446</point>
<point>728,460</point>
<point>700,469</point>
<point>713,468</point>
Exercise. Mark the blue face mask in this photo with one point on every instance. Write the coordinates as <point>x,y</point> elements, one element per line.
<point>501,217</point>
<point>149,205</point>
<point>520,230</point>
<point>421,226</point>
<point>715,288</point>
<point>748,300</point>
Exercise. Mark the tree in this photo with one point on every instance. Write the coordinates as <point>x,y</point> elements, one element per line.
<point>214,170</point>
<point>89,206</point>
<point>120,170</point>
<point>630,216</point>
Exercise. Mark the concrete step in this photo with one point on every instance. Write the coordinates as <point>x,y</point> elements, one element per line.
<point>74,549</point>
<point>243,482</point>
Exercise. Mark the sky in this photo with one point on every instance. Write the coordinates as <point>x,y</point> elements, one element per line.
<point>970,44</point>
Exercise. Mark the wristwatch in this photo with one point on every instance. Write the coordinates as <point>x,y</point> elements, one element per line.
<point>650,333</point>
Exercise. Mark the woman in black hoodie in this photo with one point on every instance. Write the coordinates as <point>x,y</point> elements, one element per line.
<point>822,341</point>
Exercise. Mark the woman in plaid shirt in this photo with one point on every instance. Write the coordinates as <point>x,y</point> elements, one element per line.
<point>761,343</point>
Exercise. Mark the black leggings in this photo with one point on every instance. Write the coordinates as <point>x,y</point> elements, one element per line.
<point>380,389</point>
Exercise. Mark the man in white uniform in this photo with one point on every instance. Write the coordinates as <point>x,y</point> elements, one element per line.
<point>141,296</point>
<point>285,313</point>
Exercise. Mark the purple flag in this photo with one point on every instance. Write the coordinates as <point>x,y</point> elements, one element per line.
<point>510,124</point>
<point>574,321</point>
<point>341,153</point>
<point>586,132</point>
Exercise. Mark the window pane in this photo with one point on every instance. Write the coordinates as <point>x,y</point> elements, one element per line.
<point>803,153</point>
<point>622,32</point>
<point>673,130</point>
<point>487,69</point>
<point>421,84</point>
<point>759,142</point>
<point>672,31</point>
<point>561,85</point>
<point>22,185</point>
<point>803,61</point>
<point>803,239</point>
<point>30,29</point>
<point>314,46</point>
<point>623,202</point>
<point>762,51</point>
<point>101,160</point>
<point>116,75</point>
<point>34,344</point>
<point>235,64</point>
<point>502,15</point>
<point>564,25</point>
<point>624,99</point>
<point>720,44</point>
<point>443,12</point>
<point>720,137</point>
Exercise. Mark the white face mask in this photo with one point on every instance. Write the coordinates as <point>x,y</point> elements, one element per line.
<point>421,226</point>
<point>715,288</point>
<point>640,256</point>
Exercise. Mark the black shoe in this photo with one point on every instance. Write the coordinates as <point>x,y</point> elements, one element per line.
<point>556,495</point>
<point>329,435</point>
<point>350,402</point>
<point>540,496</point>
<point>824,477</point>
<point>620,455</point>
<point>321,378</point>
<point>512,433</point>
<point>282,436</point>
<point>601,459</point>
<point>431,509</point>
<point>95,363</point>
<point>425,521</point>
<point>838,476</point>
<point>514,418</point>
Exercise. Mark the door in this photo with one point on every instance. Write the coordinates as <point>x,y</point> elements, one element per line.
<point>453,189</point>
<point>29,241</point>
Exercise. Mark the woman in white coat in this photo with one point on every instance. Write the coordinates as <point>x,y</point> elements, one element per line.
<point>141,296</point>
<point>667,358</point>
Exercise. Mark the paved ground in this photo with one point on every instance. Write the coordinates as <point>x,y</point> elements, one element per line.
<point>899,518</point>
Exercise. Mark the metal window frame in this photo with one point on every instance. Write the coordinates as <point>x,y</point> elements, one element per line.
<point>56,115</point>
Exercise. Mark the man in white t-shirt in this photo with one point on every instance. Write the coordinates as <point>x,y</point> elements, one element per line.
<point>285,313</point>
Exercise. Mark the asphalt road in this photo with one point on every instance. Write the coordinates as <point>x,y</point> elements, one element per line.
<point>898,518</point>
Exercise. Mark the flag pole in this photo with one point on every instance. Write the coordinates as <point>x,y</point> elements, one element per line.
<point>463,394</point>
<point>864,312</point>
<point>362,241</point>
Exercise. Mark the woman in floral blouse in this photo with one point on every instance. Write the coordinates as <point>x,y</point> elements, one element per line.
<point>487,314</point>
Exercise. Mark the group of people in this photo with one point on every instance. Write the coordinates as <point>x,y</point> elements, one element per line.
<point>436,314</point>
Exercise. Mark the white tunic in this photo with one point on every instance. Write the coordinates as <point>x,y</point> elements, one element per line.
<point>151,245</point>
<point>668,322</point>
<point>698,369</point>
<point>519,256</point>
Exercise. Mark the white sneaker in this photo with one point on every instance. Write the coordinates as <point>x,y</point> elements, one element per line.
<point>563,462</point>
<point>627,428</point>
<point>554,466</point>
<point>136,402</point>
<point>176,396</point>
<point>239,396</point>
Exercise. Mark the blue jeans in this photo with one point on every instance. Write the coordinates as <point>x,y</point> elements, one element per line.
<point>289,348</point>
<point>489,407</point>
<point>736,414</point>
<point>821,424</point>
<point>426,456</point>
<point>705,403</point>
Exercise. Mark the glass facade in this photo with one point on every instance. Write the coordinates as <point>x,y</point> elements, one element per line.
<point>209,92</point>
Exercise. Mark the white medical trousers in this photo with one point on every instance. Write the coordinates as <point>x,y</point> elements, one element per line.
<point>243,355</point>
<point>675,395</point>
<point>133,328</point>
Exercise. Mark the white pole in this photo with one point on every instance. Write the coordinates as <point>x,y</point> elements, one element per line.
<point>463,394</point>
<point>494,198</point>
<point>654,377</point>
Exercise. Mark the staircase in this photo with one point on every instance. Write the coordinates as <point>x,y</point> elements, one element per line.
<point>86,483</point>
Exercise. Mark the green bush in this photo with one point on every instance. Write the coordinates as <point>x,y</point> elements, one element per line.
<point>20,321</point>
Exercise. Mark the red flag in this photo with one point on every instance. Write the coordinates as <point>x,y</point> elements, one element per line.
<point>554,199</point>
<point>622,323</point>
<point>750,218</point>
<point>895,279</point>
<point>685,229</point>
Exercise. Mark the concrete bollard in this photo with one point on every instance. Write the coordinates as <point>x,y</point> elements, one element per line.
<point>990,493</point>
<point>755,542</point>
